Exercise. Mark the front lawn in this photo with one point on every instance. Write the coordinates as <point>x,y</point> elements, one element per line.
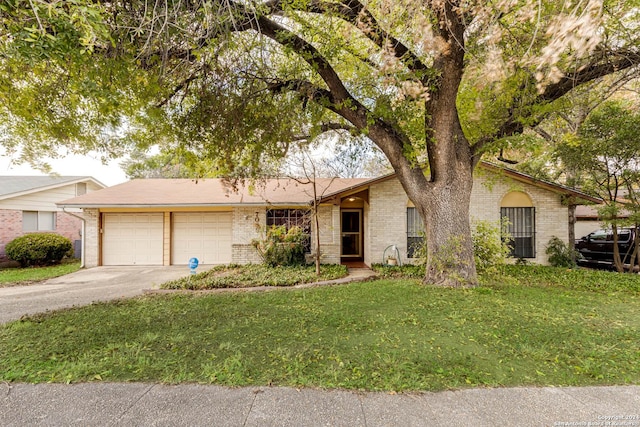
<point>26,276</point>
<point>533,326</point>
<point>244,276</point>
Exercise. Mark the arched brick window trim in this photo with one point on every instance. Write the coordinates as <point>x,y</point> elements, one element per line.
<point>518,211</point>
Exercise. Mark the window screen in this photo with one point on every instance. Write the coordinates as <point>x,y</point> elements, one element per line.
<point>522,228</point>
<point>415,231</point>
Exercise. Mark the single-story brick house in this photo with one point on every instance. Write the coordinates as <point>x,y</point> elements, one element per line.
<point>28,205</point>
<point>168,221</point>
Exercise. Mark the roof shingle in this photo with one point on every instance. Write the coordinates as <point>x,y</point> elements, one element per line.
<point>209,192</point>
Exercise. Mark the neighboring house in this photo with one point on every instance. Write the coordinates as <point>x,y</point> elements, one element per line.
<point>28,205</point>
<point>165,222</point>
<point>588,220</point>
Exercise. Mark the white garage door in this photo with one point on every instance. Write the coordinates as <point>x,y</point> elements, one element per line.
<point>132,239</point>
<point>203,235</point>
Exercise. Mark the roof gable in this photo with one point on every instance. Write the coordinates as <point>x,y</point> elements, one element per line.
<point>14,186</point>
<point>541,183</point>
<point>490,167</point>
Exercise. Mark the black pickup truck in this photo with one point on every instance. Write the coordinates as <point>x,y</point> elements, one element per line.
<point>596,249</point>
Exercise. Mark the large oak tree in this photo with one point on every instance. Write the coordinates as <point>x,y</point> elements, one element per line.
<point>432,83</point>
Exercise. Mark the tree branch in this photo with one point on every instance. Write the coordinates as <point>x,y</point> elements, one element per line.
<point>513,124</point>
<point>356,14</point>
<point>543,133</point>
<point>616,61</point>
<point>183,85</point>
<point>326,127</point>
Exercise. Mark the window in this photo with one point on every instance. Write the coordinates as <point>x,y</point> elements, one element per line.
<point>602,236</point>
<point>599,235</point>
<point>415,231</point>
<point>522,228</point>
<point>623,235</point>
<point>38,221</point>
<point>292,218</point>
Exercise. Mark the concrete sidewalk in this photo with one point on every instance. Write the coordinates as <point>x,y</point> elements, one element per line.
<point>139,404</point>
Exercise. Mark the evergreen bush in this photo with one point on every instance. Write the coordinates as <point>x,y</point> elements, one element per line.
<point>559,254</point>
<point>38,249</point>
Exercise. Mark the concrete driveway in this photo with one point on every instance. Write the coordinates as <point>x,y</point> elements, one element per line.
<point>84,287</point>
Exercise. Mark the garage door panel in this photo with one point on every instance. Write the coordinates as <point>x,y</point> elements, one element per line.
<point>204,235</point>
<point>132,239</point>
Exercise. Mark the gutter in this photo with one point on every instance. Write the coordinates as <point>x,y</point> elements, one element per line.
<point>82,232</point>
<point>185,205</point>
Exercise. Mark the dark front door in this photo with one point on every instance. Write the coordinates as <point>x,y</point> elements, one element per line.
<point>351,228</point>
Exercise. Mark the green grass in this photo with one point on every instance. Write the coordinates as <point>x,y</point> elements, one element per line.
<point>25,276</point>
<point>534,326</point>
<point>236,276</point>
<point>579,278</point>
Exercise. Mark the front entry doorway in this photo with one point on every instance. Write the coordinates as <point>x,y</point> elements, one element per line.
<point>351,231</point>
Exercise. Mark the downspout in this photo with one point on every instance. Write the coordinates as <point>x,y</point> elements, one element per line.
<point>84,221</point>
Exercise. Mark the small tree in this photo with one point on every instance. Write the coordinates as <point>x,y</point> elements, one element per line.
<point>605,156</point>
<point>303,168</point>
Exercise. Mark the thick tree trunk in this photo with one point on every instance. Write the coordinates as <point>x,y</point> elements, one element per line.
<point>443,204</point>
<point>450,259</point>
<point>442,199</point>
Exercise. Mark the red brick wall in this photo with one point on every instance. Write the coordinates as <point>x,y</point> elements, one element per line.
<point>68,226</point>
<point>11,227</point>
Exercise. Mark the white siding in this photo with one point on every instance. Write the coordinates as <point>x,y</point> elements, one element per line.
<point>44,200</point>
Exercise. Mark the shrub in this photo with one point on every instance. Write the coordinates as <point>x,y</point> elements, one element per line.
<point>559,254</point>
<point>38,249</point>
<point>490,246</point>
<point>420,251</point>
<point>412,271</point>
<point>281,246</point>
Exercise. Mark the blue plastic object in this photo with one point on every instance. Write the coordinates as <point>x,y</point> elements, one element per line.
<point>193,264</point>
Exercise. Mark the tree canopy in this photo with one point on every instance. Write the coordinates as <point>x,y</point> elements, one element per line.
<point>437,82</point>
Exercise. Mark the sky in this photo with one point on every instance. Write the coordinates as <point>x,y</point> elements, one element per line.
<point>71,165</point>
